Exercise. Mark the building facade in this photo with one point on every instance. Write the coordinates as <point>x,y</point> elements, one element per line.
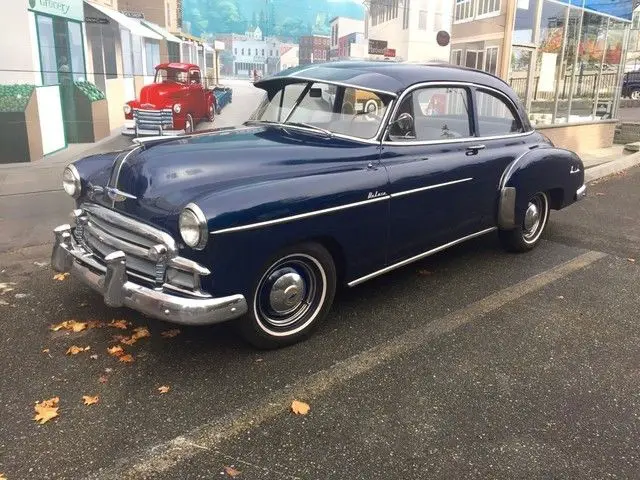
<point>350,47</point>
<point>341,27</point>
<point>314,49</point>
<point>254,53</point>
<point>564,58</point>
<point>408,29</point>
<point>289,56</point>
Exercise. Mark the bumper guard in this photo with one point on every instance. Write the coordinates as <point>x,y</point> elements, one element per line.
<point>111,281</point>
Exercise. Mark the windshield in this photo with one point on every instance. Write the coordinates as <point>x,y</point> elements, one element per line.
<point>341,110</point>
<point>170,75</point>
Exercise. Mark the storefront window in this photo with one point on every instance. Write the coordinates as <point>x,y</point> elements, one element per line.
<point>76,48</point>
<point>567,79</point>
<point>588,68</point>
<point>152,51</point>
<point>549,62</point>
<point>525,19</point>
<point>519,71</point>
<point>48,55</point>
<point>137,51</point>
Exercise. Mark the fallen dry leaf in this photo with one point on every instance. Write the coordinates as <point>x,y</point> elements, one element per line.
<point>6,287</point>
<point>599,194</point>
<point>138,333</point>
<point>69,325</point>
<point>122,324</point>
<point>300,408</point>
<point>94,356</point>
<point>424,273</point>
<point>232,471</point>
<point>46,410</point>
<point>74,350</point>
<point>2,476</point>
<point>45,350</point>
<point>61,276</point>
<point>170,333</point>
<point>128,358</point>
<point>632,260</point>
<point>164,389</point>
<point>95,324</point>
<point>116,351</point>
<point>103,379</point>
<point>88,400</point>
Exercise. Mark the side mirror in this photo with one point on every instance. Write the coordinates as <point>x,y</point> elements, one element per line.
<point>404,122</point>
<point>315,93</point>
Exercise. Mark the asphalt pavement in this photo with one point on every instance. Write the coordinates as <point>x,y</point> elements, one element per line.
<point>473,363</point>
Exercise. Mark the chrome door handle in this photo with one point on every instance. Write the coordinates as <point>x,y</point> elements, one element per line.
<point>476,147</point>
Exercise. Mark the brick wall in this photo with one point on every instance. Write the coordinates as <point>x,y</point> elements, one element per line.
<point>581,138</point>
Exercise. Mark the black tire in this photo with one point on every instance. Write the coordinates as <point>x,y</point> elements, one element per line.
<point>634,94</point>
<point>275,321</point>
<point>211,115</point>
<point>189,127</point>
<point>527,235</point>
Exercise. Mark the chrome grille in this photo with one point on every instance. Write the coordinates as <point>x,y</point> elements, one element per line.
<point>153,119</point>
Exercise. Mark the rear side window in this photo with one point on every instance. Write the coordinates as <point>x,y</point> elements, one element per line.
<point>495,116</point>
<point>437,113</point>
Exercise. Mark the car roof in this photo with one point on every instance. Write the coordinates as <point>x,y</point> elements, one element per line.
<point>389,77</point>
<point>178,66</point>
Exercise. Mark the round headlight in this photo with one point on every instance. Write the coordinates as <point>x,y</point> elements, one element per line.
<point>177,108</point>
<point>193,227</point>
<point>71,181</point>
<point>127,109</point>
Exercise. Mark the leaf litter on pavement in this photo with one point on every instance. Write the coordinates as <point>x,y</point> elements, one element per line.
<point>300,408</point>
<point>90,400</point>
<point>74,350</point>
<point>61,277</point>
<point>46,410</point>
<point>232,471</point>
<point>72,325</point>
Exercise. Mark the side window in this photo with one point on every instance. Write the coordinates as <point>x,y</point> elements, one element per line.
<point>195,76</point>
<point>495,116</point>
<point>437,113</point>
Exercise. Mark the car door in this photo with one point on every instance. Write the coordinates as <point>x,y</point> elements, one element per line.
<point>430,155</point>
<point>197,100</point>
<point>503,139</point>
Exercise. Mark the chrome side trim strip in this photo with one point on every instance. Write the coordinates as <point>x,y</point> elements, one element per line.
<point>507,172</point>
<point>292,218</point>
<point>418,257</point>
<point>430,187</point>
<point>457,140</point>
<point>115,175</point>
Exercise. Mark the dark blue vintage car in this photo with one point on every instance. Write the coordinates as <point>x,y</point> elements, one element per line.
<point>346,171</point>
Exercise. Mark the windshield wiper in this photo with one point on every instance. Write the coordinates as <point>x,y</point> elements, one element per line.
<point>328,133</point>
<point>262,122</point>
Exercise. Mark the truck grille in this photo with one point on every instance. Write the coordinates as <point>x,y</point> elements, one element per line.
<point>102,231</point>
<point>153,119</point>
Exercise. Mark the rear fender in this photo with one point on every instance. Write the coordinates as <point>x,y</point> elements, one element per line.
<point>555,171</point>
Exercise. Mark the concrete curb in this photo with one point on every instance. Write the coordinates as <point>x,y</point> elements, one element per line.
<point>609,168</point>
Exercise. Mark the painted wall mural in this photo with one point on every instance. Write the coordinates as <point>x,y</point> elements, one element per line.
<point>284,18</point>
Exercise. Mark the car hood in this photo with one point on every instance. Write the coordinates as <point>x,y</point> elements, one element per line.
<point>157,181</point>
<point>161,94</point>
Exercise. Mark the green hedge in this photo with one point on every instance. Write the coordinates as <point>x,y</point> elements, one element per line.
<point>92,92</point>
<point>14,98</point>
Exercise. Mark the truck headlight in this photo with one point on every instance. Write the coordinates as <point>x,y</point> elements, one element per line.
<point>193,227</point>
<point>177,108</point>
<point>127,109</point>
<point>71,181</point>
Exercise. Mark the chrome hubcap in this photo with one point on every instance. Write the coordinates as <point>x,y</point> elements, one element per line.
<point>287,292</point>
<point>635,95</point>
<point>531,217</point>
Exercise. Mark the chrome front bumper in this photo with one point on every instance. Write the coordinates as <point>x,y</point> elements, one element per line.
<point>581,193</point>
<point>143,132</point>
<point>111,281</point>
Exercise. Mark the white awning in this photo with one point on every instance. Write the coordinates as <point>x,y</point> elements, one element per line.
<point>134,26</point>
<point>158,29</point>
<point>208,48</point>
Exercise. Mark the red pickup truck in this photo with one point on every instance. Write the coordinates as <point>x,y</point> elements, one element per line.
<point>172,105</point>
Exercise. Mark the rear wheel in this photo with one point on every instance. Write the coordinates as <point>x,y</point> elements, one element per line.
<point>635,94</point>
<point>292,295</point>
<point>211,114</point>
<point>527,235</point>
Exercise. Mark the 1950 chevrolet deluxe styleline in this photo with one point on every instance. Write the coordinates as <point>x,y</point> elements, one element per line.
<point>263,221</point>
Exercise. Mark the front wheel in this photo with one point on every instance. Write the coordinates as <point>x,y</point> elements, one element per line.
<point>635,94</point>
<point>188,124</point>
<point>292,295</point>
<point>211,113</point>
<point>527,235</point>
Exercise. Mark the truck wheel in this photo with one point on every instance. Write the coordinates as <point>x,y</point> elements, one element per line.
<point>188,124</point>
<point>635,94</point>
<point>212,112</point>
<point>527,235</point>
<point>291,296</point>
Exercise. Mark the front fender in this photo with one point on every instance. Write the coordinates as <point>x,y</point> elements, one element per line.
<point>555,171</point>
